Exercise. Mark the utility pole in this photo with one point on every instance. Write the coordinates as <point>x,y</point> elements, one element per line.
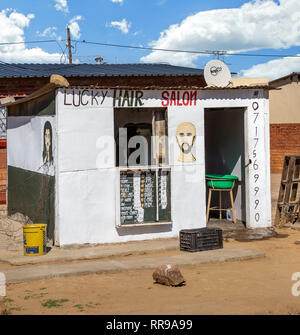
<point>69,45</point>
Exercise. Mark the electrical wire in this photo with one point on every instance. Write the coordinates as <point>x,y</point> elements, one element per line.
<point>63,57</point>
<point>27,42</point>
<point>206,52</point>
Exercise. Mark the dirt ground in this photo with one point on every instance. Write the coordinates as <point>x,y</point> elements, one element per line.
<point>262,286</point>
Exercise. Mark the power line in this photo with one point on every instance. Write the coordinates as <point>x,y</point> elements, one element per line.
<point>28,42</point>
<point>203,52</point>
<point>206,52</point>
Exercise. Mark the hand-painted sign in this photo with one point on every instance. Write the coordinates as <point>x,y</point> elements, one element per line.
<point>84,97</point>
<point>179,98</point>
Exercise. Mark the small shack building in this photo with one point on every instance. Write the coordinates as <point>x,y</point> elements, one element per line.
<point>115,164</point>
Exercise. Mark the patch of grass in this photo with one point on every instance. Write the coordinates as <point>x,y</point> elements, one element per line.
<point>93,304</point>
<point>79,307</point>
<point>5,299</point>
<point>35,296</point>
<point>54,303</point>
<point>43,288</point>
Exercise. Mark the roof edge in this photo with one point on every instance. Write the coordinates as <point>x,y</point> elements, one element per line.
<point>284,77</point>
<point>55,81</point>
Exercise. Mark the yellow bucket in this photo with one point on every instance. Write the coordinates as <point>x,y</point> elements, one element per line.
<point>35,237</point>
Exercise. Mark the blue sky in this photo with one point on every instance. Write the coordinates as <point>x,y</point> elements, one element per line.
<point>241,26</point>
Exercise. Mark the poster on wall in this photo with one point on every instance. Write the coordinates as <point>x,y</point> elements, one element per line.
<point>31,143</point>
<point>47,153</point>
<point>142,198</point>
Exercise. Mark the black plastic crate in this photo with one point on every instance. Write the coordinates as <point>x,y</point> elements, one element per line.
<point>201,239</point>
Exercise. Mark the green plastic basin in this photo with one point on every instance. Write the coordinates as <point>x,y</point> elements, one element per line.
<point>223,180</point>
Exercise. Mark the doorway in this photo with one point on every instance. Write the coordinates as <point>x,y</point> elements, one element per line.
<point>225,154</point>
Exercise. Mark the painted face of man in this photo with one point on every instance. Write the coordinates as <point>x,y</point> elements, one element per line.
<point>185,136</point>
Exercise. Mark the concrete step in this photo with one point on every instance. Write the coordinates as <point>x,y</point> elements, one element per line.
<point>28,273</point>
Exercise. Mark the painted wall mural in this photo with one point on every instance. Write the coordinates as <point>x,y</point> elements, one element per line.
<point>47,149</point>
<point>185,136</point>
<point>39,131</point>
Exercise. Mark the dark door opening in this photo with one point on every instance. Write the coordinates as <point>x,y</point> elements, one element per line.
<point>225,154</point>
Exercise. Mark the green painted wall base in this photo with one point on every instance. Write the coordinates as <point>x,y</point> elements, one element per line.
<point>32,194</point>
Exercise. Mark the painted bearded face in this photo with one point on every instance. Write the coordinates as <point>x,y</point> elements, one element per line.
<point>185,135</point>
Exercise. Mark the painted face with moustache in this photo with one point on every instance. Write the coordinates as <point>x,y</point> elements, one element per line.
<point>185,135</point>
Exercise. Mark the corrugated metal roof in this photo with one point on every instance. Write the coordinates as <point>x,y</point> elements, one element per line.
<point>89,70</point>
<point>284,77</point>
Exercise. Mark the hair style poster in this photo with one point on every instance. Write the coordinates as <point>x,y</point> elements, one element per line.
<point>31,143</point>
<point>47,154</point>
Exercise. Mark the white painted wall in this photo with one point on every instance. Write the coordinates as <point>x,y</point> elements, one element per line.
<point>87,195</point>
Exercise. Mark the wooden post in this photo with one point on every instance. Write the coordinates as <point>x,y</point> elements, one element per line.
<point>208,206</point>
<point>69,45</point>
<point>220,205</point>
<point>232,206</point>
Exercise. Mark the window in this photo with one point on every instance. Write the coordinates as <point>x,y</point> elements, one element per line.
<point>142,158</point>
<point>141,136</point>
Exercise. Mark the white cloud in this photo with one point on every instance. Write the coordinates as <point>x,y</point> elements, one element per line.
<point>74,26</point>
<point>50,31</point>
<point>119,1</point>
<point>123,25</point>
<point>12,25</point>
<point>257,24</point>
<point>61,5</point>
<point>273,69</point>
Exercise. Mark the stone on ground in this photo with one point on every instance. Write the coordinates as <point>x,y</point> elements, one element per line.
<point>169,275</point>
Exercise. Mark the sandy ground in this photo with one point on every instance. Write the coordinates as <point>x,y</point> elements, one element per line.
<point>261,286</point>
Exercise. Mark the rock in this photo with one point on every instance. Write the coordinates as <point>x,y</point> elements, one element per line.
<point>20,218</point>
<point>297,242</point>
<point>168,275</point>
<point>11,232</point>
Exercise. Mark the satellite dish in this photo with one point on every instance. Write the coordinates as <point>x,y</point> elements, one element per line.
<point>216,73</point>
